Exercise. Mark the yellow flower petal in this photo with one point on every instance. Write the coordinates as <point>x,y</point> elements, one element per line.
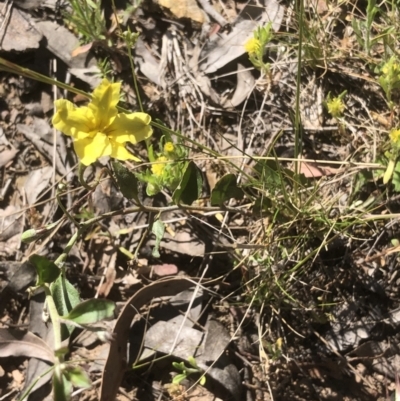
<point>90,149</point>
<point>71,120</point>
<point>104,101</point>
<point>119,152</point>
<point>133,128</point>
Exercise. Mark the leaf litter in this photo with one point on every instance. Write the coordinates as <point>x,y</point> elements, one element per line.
<point>184,79</point>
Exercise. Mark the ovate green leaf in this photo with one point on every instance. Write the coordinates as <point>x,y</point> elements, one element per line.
<point>66,297</point>
<point>62,387</point>
<point>396,177</point>
<point>91,311</point>
<point>225,189</point>
<point>189,189</point>
<point>158,229</point>
<point>78,377</point>
<point>127,181</point>
<point>46,270</point>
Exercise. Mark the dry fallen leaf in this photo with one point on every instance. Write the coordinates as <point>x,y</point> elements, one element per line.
<point>19,32</point>
<point>185,9</point>
<point>19,343</point>
<point>165,270</point>
<point>116,363</point>
<point>245,85</point>
<point>313,170</point>
<point>225,47</point>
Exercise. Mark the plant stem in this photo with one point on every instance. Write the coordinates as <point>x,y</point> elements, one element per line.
<point>298,140</point>
<point>59,262</point>
<point>81,170</point>
<point>55,318</point>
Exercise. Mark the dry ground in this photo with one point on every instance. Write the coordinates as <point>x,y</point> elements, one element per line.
<point>299,280</point>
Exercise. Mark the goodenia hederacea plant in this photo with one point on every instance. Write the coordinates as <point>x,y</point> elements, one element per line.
<point>98,129</point>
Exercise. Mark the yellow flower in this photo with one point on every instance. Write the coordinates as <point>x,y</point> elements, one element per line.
<point>394,135</point>
<point>252,46</point>
<point>169,147</point>
<point>335,106</point>
<point>158,168</point>
<point>390,67</point>
<point>98,129</point>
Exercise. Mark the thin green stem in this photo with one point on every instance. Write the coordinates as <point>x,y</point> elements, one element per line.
<point>12,68</point>
<point>55,318</point>
<point>81,170</point>
<point>135,83</point>
<point>298,141</point>
<point>65,211</point>
<point>59,262</point>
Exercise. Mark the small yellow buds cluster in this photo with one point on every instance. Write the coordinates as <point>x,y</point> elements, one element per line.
<point>390,78</point>
<point>158,167</point>
<point>394,136</point>
<point>335,107</point>
<point>169,147</point>
<point>256,45</point>
<point>167,168</point>
<point>390,68</point>
<point>252,46</point>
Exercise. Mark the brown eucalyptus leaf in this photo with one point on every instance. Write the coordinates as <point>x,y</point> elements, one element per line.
<point>20,343</point>
<point>116,363</point>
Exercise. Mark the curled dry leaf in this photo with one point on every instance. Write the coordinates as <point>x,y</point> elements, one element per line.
<point>20,343</point>
<point>313,170</point>
<point>116,363</point>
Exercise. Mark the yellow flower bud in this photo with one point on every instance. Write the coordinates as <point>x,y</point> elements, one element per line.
<point>169,147</point>
<point>335,107</point>
<point>394,135</point>
<point>252,46</point>
<point>158,168</point>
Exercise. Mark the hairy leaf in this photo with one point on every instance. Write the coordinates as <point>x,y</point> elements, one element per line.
<point>189,189</point>
<point>225,189</point>
<point>46,270</point>
<point>158,229</point>
<point>91,311</point>
<point>127,181</point>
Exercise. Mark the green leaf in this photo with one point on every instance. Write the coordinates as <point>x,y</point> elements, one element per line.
<point>66,297</point>
<point>225,189</point>
<point>262,206</point>
<point>269,172</point>
<point>91,311</point>
<point>62,387</point>
<point>127,181</point>
<point>193,362</point>
<point>179,366</point>
<point>78,377</point>
<point>361,179</point>
<point>46,270</point>
<point>189,189</point>
<point>178,378</point>
<point>396,177</point>
<point>158,229</point>
<point>389,171</point>
<point>202,380</point>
